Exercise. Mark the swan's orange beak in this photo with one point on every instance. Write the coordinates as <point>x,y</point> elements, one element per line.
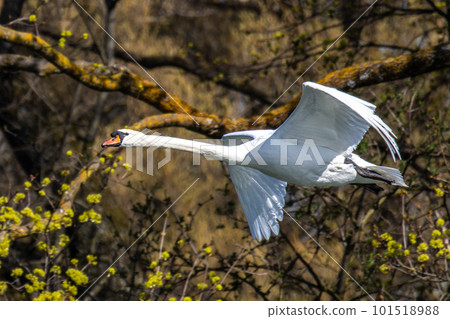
<point>114,142</point>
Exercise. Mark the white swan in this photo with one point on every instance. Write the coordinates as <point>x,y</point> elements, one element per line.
<point>313,147</point>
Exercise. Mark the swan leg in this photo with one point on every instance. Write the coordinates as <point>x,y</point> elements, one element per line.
<point>368,173</point>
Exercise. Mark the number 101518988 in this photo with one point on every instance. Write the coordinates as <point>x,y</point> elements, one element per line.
<point>405,310</point>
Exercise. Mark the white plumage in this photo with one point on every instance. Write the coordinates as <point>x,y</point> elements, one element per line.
<point>313,147</point>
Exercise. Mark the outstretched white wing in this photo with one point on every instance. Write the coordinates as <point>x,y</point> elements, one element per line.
<point>334,120</point>
<point>261,196</point>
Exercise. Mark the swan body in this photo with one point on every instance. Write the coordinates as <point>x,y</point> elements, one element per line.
<point>313,147</point>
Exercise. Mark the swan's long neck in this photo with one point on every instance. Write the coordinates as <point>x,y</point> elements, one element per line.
<point>213,151</point>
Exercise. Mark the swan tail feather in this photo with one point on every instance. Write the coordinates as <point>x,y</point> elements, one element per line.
<point>390,173</point>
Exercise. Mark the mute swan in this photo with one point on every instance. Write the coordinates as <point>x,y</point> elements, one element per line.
<point>313,147</point>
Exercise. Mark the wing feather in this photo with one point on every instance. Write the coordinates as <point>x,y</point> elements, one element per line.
<point>262,199</point>
<point>335,120</point>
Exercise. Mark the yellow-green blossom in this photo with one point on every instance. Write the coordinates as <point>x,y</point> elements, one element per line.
<point>187,298</point>
<point>386,237</point>
<point>127,166</point>
<point>92,259</point>
<point>77,276</point>
<point>3,287</point>
<point>69,212</point>
<point>63,240</point>
<point>439,192</point>
<point>422,247</point>
<point>4,246</point>
<point>406,252</point>
<point>35,283</point>
<point>384,268</point>
<point>69,153</point>
<point>423,258</point>
<point>436,243</point>
<point>91,216</point>
<point>412,238</point>
<point>19,197</point>
<point>375,243</point>
<point>8,213</point>
<point>172,299</point>
<point>168,276</point>
<point>94,198</point>
<point>46,181</point>
<point>207,250</point>
<point>436,234</point>
<point>85,36</point>
<point>74,261</point>
<point>165,255</point>
<point>3,200</point>
<point>440,222</point>
<point>69,288</point>
<point>56,269</point>
<point>29,288</point>
<point>27,184</point>
<point>17,272</point>
<point>41,193</point>
<point>38,272</point>
<point>27,211</point>
<point>32,18</point>
<point>393,248</point>
<point>219,287</point>
<point>66,33</point>
<point>215,279</point>
<point>65,188</point>
<point>57,295</point>
<point>111,271</point>
<point>202,286</point>
<point>154,280</point>
<point>153,265</point>
<point>64,172</point>
<point>102,160</point>
<point>41,245</point>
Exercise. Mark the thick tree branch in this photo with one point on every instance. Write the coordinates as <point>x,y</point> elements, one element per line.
<point>120,79</point>
<point>391,69</point>
<point>346,79</point>
<point>150,62</point>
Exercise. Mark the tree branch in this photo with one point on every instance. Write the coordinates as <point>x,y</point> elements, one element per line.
<point>120,79</point>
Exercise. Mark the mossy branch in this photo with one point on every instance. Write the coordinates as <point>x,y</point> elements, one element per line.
<point>100,77</point>
<point>121,79</point>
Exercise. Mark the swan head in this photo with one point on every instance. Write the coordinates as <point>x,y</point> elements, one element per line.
<point>124,138</point>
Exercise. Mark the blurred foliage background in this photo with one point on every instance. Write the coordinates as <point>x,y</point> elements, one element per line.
<point>231,59</point>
